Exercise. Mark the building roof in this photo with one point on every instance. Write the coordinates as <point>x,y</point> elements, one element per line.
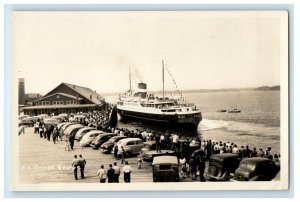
<point>87,93</point>
<point>63,94</point>
<point>60,106</point>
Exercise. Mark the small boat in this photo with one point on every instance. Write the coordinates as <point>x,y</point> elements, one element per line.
<point>234,111</point>
<point>222,110</point>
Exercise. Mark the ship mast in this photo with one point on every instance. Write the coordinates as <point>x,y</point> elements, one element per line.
<point>163,78</point>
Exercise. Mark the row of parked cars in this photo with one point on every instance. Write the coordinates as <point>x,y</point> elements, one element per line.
<point>104,141</point>
<point>25,120</point>
<point>222,167</point>
<point>228,166</point>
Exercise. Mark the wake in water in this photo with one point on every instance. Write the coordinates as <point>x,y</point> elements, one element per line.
<point>240,128</point>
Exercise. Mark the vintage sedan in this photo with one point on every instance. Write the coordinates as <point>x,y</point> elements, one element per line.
<point>87,139</point>
<point>131,146</point>
<point>165,169</point>
<point>72,129</point>
<point>27,121</point>
<point>222,166</point>
<point>107,147</point>
<point>98,141</point>
<point>148,152</point>
<point>51,121</point>
<point>81,132</point>
<point>256,169</point>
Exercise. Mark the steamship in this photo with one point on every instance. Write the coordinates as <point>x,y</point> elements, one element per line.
<point>142,106</point>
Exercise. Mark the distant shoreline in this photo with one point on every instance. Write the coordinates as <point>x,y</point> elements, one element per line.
<point>262,88</point>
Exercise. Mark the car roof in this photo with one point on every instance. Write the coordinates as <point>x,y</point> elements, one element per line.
<point>94,131</point>
<point>255,160</point>
<point>117,137</point>
<point>106,134</point>
<point>224,155</point>
<point>130,139</point>
<point>75,126</point>
<point>86,128</point>
<point>162,151</point>
<point>165,160</point>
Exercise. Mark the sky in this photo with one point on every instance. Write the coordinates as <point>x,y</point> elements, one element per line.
<point>202,50</point>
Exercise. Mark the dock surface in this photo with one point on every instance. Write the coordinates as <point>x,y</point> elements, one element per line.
<point>42,161</point>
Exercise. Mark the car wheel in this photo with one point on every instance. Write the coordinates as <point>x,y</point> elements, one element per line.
<point>127,154</point>
<point>212,170</point>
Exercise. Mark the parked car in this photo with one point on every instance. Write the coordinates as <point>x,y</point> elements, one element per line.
<point>81,132</point>
<point>72,129</point>
<point>27,121</point>
<point>51,121</point>
<point>60,119</point>
<point>132,146</point>
<point>61,124</point>
<point>165,169</point>
<point>98,141</point>
<point>148,152</point>
<point>21,117</point>
<point>65,126</point>
<point>256,169</point>
<point>42,116</point>
<point>108,145</point>
<point>222,166</point>
<point>87,139</point>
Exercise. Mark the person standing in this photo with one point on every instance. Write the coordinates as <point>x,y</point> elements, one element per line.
<point>157,142</point>
<point>110,174</point>
<point>102,173</point>
<point>74,166</point>
<point>21,130</point>
<point>201,165</point>
<point>175,141</point>
<point>116,151</point>
<point>162,141</point>
<point>123,154</point>
<point>116,173</point>
<point>261,153</point>
<point>82,163</point>
<point>55,134</point>
<point>253,153</point>
<point>127,171</point>
<point>41,129</point>
<point>139,162</point>
<point>71,139</point>
<point>61,134</point>
<point>36,126</point>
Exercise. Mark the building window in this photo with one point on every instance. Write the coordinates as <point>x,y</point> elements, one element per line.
<point>70,102</point>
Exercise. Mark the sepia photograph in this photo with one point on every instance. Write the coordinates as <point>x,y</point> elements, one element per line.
<point>149,100</point>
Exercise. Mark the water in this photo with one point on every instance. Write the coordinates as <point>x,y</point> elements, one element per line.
<point>258,124</point>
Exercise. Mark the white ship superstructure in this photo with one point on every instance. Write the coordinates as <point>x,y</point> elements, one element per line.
<point>142,106</point>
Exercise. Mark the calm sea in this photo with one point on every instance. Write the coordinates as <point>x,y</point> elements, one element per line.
<point>258,124</point>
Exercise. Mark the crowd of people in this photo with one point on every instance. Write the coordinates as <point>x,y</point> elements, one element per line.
<point>190,166</point>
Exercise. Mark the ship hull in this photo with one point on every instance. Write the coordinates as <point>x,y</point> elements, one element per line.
<point>172,120</point>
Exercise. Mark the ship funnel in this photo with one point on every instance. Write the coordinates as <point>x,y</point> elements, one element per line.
<point>142,90</point>
<point>142,86</point>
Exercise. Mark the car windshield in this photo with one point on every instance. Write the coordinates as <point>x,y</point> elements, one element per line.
<point>247,166</point>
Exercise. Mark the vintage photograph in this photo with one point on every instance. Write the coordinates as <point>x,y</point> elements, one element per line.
<point>149,100</point>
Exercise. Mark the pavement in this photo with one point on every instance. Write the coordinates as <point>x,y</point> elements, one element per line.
<point>42,161</point>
